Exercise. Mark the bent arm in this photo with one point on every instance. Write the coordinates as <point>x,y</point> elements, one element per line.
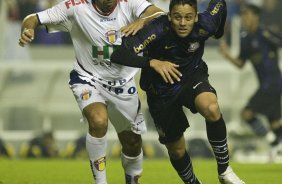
<point>275,39</point>
<point>27,30</point>
<point>149,14</point>
<point>167,70</point>
<point>125,57</point>
<point>214,18</point>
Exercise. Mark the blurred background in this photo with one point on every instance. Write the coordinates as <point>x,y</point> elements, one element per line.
<point>39,116</point>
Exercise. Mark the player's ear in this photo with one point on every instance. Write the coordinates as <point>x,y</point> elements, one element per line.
<point>169,17</point>
<point>196,18</point>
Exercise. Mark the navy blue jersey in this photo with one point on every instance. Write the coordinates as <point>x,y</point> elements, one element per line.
<point>261,48</point>
<point>159,41</point>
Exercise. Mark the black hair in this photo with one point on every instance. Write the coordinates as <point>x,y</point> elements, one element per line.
<point>192,3</point>
<point>253,8</point>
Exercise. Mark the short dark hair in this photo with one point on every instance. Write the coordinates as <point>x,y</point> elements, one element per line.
<point>192,3</point>
<point>253,8</point>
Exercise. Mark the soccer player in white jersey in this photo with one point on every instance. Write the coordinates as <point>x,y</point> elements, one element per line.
<point>102,89</point>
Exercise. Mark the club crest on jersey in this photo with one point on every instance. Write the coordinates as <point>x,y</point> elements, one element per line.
<point>112,36</point>
<point>193,46</point>
<point>86,94</point>
<point>100,164</point>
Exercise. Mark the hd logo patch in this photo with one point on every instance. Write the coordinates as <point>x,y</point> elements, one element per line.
<point>100,164</point>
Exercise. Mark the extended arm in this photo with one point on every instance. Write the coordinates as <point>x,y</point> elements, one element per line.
<point>150,13</point>
<point>166,69</point>
<point>225,51</point>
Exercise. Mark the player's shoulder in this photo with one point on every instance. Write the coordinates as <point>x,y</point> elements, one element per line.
<point>133,3</point>
<point>161,20</point>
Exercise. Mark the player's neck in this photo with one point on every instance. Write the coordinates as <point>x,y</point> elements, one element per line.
<point>254,28</point>
<point>101,10</point>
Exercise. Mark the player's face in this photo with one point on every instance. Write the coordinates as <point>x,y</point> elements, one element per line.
<point>249,19</point>
<point>106,5</point>
<point>183,18</point>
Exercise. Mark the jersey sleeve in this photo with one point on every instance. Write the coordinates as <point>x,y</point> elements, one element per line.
<point>274,39</point>
<point>147,36</point>
<point>244,44</point>
<point>139,6</point>
<point>214,17</point>
<point>57,18</point>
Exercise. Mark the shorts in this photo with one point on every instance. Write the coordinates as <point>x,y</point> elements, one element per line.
<point>167,113</point>
<point>268,104</point>
<point>122,102</point>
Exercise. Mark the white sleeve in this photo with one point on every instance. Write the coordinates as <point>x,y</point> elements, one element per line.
<point>57,18</point>
<point>139,6</point>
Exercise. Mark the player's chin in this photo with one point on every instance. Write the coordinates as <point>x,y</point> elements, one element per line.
<point>182,33</point>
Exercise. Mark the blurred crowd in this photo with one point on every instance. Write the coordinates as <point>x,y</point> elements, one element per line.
<point>45,145</point>
<point>18,9</point>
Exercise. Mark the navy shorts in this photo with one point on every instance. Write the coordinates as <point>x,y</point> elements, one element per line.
<point>167,113</point>
<point>266,103</point>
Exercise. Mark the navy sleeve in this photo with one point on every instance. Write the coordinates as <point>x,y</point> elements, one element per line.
<point>214,18</point>
<point>131,46</point>
<point>272,38</point>
<point>244,53</point>
<point>125,57</point>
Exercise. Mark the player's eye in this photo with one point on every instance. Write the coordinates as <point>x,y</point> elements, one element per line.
<point>189,17</point>
<point>177,18</point>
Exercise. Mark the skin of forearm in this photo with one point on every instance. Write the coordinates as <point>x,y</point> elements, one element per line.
<point>236,61</point>
<point>151,13</point>
<point>30,22</point>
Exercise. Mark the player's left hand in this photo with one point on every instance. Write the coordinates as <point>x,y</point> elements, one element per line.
<point>167,70</point>
<point>132,28</point>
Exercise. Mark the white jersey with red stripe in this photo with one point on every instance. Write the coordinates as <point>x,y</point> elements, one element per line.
<point>95,35</point>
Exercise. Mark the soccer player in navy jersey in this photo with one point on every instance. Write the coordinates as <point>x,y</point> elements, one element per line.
<point>174,75</point>
<point>260,47</point>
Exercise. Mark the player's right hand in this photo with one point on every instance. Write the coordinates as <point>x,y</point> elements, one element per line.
<point>166,69</point>
<point>26,37</point>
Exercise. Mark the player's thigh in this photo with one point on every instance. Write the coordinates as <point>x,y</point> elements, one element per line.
<point>91,102</point>
<point>169,119</point>
<point>124,108</point>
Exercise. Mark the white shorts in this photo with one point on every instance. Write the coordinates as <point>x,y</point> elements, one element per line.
<point>122,102</point>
